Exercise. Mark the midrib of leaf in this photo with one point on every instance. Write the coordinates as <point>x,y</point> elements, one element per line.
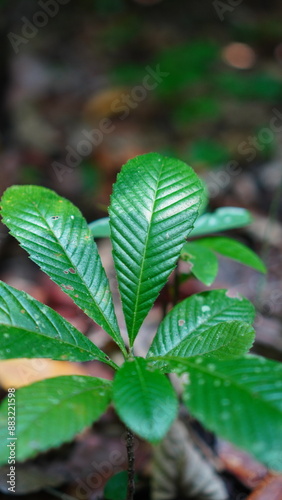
<point>145,253</point>
<point>65,251</point>
<point>49,410</point>
<point>223,377</point>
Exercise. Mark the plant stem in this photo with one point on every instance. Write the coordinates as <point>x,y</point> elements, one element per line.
<point>131,464</point>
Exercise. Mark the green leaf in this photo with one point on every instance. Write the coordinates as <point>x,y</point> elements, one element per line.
<point>234,250</point>
<point>153,208</point>
<point>100,228</point>
<point>194,317</point>
<point>220,220</point>
<point>54,233</point>
<point>29,329</point>
<point>53,411</point>
<point>240,400</point>
<point>205,199</point>
<point>227,340</point>
<point>144,400</point>
<point>116,487</point>
<point>204,263</point>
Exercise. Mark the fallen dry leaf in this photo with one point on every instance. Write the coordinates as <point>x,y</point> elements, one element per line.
<point>101,104</point>
<point>269,489</point>
<point>19,372</point>
<point>241,465</point>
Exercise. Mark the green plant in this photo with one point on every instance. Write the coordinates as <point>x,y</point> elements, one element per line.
<point>154,206</point>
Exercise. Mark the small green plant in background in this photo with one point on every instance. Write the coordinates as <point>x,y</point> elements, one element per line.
<point>154,207</point>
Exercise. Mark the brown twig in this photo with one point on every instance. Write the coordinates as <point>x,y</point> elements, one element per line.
<point>131,465</point>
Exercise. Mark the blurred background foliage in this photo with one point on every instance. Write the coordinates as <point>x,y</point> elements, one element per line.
<point>200,81</point>
<point>223,67</point>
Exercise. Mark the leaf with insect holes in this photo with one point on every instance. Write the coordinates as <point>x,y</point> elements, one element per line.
<point>154,205</point>
<point>53,411</point>
<point>29,329</point>
<point>144,399</point>
<point>233,250</point>
<point>186,327</point>
<point>240,400</point>
<point>204,264</point>
<point>56,236</point>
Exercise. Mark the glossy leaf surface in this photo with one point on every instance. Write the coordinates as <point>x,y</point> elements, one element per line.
<point>144,400</point>
<point>188,323</point>
<point>56,236</point>
<point>240,400</point>
<point>153,208</point>
<point>222,219</point>
<point>52,411</point>
<point>227,340</point>
<point>29,329</point>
